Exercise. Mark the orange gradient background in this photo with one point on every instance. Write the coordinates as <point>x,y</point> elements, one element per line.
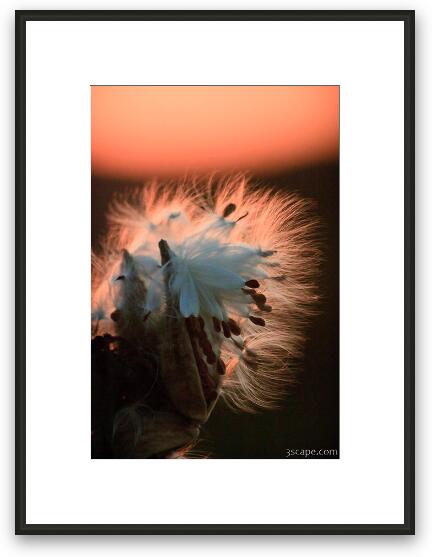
<point>169,130</point>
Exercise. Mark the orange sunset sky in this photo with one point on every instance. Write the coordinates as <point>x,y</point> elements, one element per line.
<point>142,130</point>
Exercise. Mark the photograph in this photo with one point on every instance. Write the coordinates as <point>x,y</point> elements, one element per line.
<point>215,272</point>
<point>226,199</point>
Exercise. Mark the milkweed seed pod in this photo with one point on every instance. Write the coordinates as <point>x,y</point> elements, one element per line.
<point>216,278</point>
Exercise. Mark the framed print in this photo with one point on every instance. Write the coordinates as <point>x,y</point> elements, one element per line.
<point>215,272</point>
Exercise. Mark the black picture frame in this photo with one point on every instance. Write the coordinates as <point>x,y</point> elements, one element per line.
<point>21,18</point>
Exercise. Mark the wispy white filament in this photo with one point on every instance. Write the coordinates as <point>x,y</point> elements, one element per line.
<point>222,234</point>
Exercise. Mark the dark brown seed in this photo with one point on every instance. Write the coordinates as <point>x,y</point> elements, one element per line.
<point>189,325</point>
<point>193,325</point>
<point>267,253</point>
<point>252,283</point>
<point>201,322</point>
<point>257,320</point>
<point>234,328</point>
<point>116,314</point>
<point>221,367</point>
<point>229,209</point>
<point>266,308</point>
<point>226,330</point>
<point>259,299</point>
<point>205,344</point>
<point>216,325</point>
